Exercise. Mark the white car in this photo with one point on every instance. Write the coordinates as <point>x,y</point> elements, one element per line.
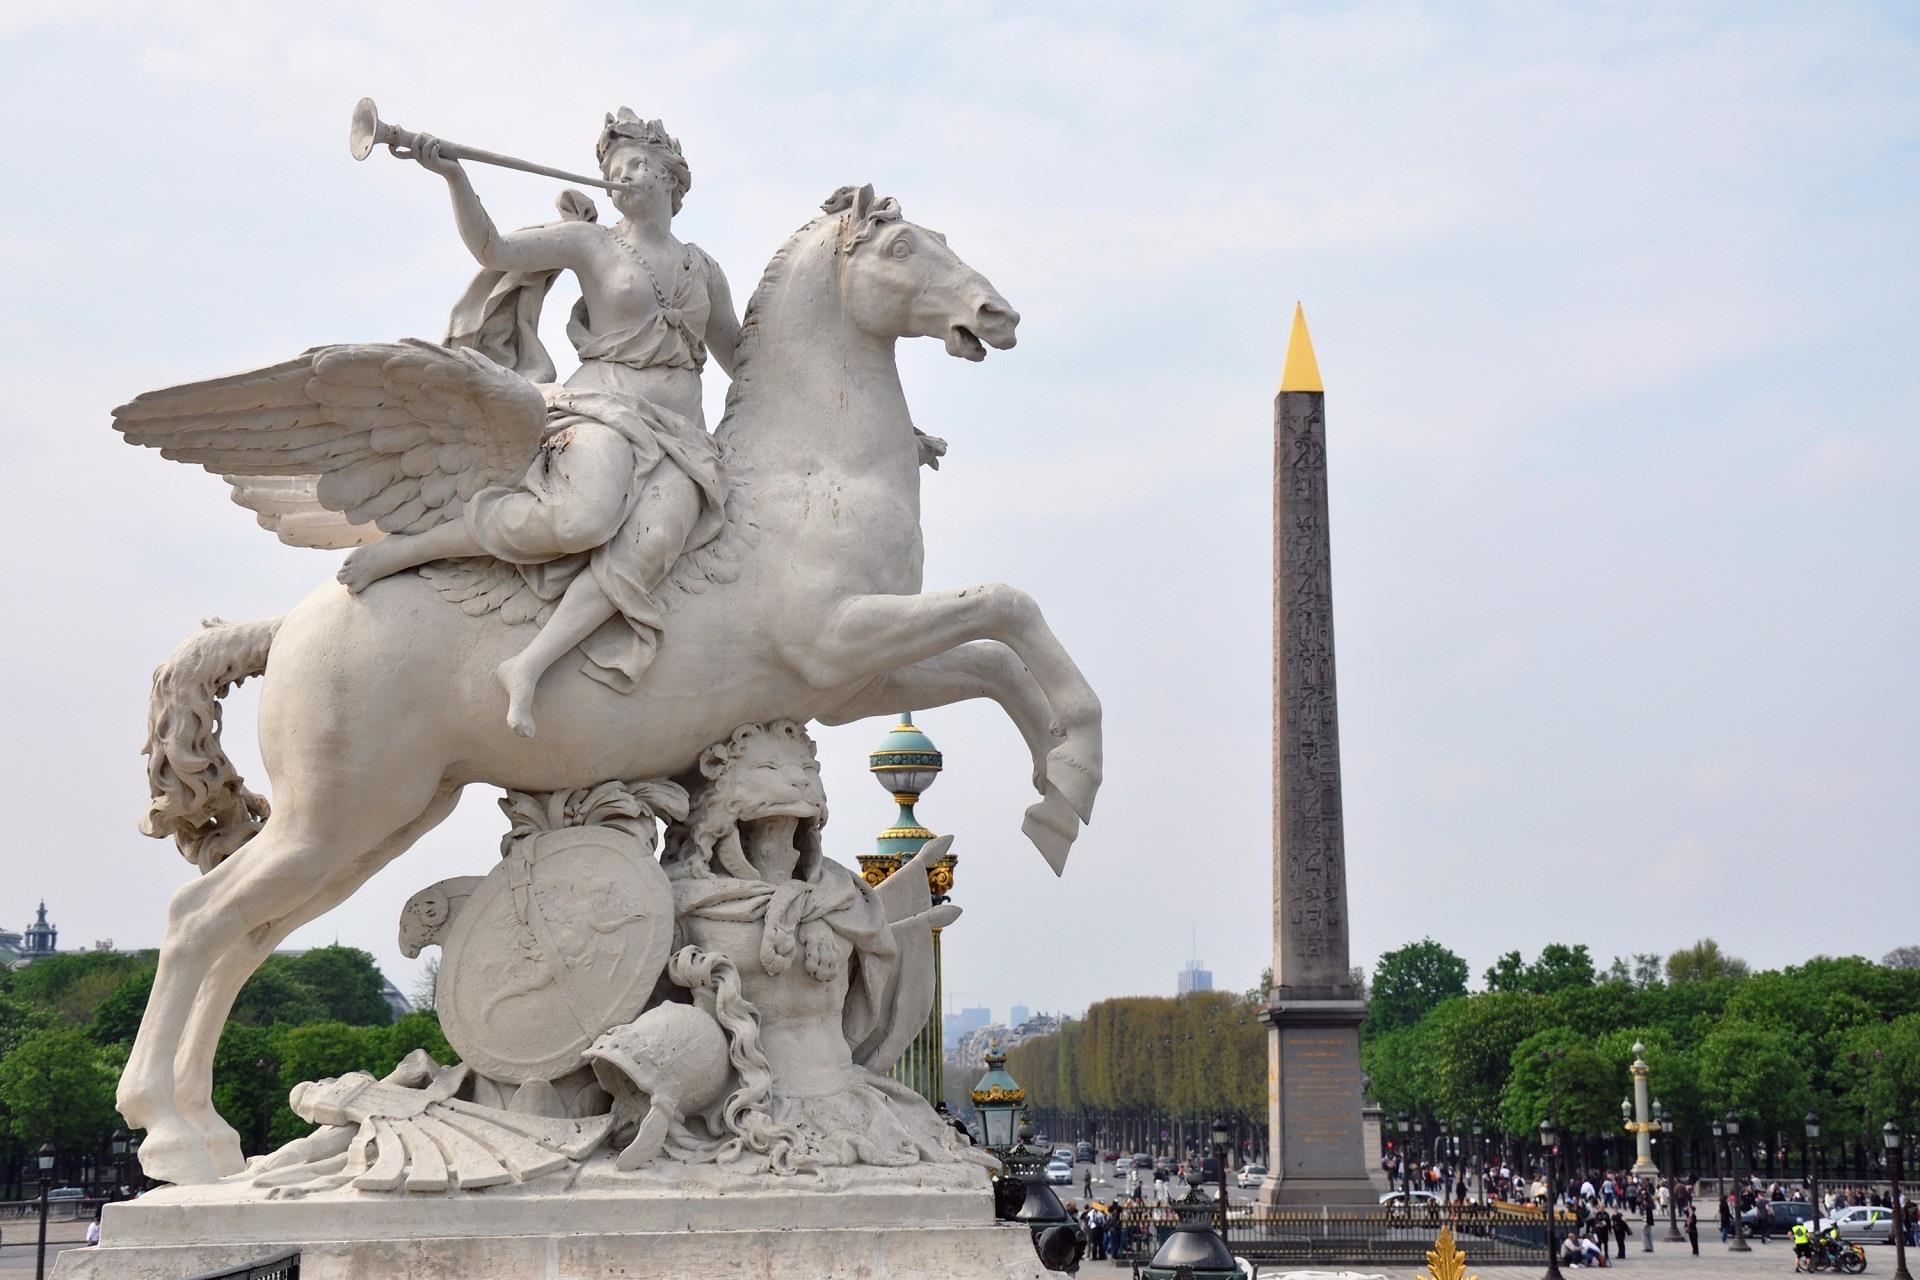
<point>1252,1175</point>
<point>1062,1155</point>
<point>1862,1224</point>
<point>1060,1174</point>
<point>1419,1198</point>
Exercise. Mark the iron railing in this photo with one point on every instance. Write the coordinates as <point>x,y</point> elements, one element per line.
<point>1307,1237</point>
<point>284,1267</point>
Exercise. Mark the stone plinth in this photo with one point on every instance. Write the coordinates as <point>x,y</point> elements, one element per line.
<point>875,1224</point>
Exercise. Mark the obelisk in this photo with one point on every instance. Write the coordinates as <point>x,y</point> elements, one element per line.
<point>1313,1043</point>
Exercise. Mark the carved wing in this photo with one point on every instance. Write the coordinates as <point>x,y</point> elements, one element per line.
<point>396,436</point>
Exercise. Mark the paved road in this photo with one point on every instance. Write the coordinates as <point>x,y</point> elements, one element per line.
<point>19,1241</point>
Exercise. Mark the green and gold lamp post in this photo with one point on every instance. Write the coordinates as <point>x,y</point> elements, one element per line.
<point>906,763</point>
<point>999,1100</point>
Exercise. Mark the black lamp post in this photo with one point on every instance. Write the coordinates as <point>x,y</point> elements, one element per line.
<point>1548,1136</point>
<point>45,1162</point>
<point>1813,1166</point>
<point>1739,1242</point>
<point>1480,1154</point>
<point>119,1143</point>
<point>1406,1163</point>
<point>1221,1134</point>
<point>1673,1182</point>
<point>1889,1134</point>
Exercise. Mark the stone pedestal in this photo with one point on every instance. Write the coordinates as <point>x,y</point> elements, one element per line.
<point>1314,1106</point>
<point>922,1223</point>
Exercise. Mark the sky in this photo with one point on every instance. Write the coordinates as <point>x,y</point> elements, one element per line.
<point>1613,304</point>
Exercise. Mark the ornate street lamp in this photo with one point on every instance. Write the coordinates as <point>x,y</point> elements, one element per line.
<point>119,1143</point>
<point>1739,1242</point>
<point>1548,1136</point>
<point>1890,1135</point>
<point>1193,1248</point>
<point>1406,1163</point>
<point>1480,1154</point>
<point>1221,1135</point>
<point>999,1099</point>
<point>1673,1180</point>
<point>1812,1123</point>
<point>45,1163</point>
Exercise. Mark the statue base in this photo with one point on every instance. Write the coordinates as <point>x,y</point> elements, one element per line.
<point>929,1222</point>
<point>1316,1130</point>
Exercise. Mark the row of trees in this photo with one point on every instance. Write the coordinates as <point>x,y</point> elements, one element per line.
<point>1838,1036</point>
<point>1138,1066</point>
<point>67,1023</point>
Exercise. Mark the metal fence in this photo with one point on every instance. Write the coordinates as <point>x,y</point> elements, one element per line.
<point>1309,1237</point>
<point>285,1267</point>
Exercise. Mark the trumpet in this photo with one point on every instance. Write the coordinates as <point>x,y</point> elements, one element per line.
<point>368,130</point>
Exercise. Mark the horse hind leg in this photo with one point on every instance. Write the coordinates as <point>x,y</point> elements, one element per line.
<point>296,856</point>
<point>193,1090</point>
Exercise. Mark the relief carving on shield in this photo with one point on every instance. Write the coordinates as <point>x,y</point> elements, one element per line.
<point>565,937</point>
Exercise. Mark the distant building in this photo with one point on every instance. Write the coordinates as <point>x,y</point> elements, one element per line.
<point>1019,1014</point>
<point>969,1051</point>
<point>1193,978</point>
<point>957,1025</point>
<point>39,940</point>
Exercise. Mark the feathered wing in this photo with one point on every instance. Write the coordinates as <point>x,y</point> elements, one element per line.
<point>342,443</point>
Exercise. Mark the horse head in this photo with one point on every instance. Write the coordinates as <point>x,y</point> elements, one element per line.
<point>901,280</point>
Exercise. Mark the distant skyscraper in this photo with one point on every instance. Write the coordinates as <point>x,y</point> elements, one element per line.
<point>1018,1014</point>
<point>1193,978</point>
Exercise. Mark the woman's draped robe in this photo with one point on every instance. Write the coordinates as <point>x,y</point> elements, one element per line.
<point>498,316</point>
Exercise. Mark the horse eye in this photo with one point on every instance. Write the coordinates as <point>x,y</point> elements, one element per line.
<point>900,247</point>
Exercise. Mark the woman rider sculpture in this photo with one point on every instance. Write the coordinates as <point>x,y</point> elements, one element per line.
<point>628,478</point>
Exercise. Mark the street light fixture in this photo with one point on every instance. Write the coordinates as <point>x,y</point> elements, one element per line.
<point>45,1162</point>
<point>1739,1242</point>
<point>1673,1181</point>
<point>1890,1135</point>
<point>1812,1123</point>
<point>1406,1165</point>
<point>1480,1153</point>
<point>1220,1136</point>
<point>1548,1135</point>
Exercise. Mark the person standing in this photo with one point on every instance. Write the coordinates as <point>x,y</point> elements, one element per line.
<point>1646,1220</point>
<point>1618,1221</point>
<point>1693,1229</point>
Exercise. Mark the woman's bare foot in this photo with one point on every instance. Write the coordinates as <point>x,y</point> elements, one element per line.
<point>519,683</point>
<point>375,561</point>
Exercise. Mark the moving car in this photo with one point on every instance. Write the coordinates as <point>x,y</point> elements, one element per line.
<point>1060,1173</point>
<point>1141,1160</point>
<point>1420,1198</point>
<point>1084,1152</point>
<point>1063,1153</point>
<point>1252,1175</point>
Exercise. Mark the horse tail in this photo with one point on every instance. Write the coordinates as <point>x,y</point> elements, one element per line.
<point>198,797</point>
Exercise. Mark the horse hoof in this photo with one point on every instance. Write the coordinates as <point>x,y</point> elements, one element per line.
<point>180,1158</point>
<point>1051,825</point>
<point>1074,780</point>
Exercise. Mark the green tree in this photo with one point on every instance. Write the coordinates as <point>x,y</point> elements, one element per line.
<point>1703,961</point>
<point>1470,1048</point>
<point>275,997</point>
<point>1559,1069</point>
<point>117,1017</point>
<point>347,982</point>
<point>1411,981</point>
<point>1755,1071</point>
<point>58,1085</point>
<point>1559,968</point>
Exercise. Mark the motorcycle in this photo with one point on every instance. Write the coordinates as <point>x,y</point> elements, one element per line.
<point>1847,1259</point>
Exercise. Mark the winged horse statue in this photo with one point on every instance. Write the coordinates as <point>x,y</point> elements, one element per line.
<point>380,706</point>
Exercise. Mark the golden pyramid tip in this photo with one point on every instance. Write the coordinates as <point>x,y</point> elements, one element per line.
<point>1302,371</point>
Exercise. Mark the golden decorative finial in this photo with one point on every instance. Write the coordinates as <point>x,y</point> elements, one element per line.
<point>1302,371</point>
<point>1445,1261</point>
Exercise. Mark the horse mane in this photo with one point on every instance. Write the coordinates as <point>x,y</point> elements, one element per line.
<point>747,347</point>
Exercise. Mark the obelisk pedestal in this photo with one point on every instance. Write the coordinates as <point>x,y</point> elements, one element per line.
<point>1313,1048</point>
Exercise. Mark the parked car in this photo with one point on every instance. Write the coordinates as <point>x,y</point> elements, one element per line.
<point>1110,1154</point>
<point>1060,1173</point>
<point>1141,1160</point>
<point>1084,1152</point>
<point>1785,1214</point>
<point>67,1193</point>
<point>1062,1153</point>
<point>1863,1224</point>
<point>1252,1175</point>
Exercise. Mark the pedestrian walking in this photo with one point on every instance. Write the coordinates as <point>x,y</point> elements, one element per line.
<point>1646,1222</point>
<point>1618,1222</point>
<point>1693,1229</point>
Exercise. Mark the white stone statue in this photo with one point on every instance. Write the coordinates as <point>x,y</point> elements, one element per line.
<point>769,572</point>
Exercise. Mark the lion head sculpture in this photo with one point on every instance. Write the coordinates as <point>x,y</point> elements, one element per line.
<point>761,773</point>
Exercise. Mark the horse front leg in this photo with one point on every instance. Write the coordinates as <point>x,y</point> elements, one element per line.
<point>983,669</point>
<point>865,636</point>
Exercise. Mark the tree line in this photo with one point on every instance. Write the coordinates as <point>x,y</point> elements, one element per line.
<point>67,1023</point>
<point>1838,1036</point>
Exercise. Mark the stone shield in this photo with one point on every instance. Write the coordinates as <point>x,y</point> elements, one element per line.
<point>565,938</point>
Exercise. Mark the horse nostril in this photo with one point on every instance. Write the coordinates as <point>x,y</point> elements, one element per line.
<point>989,312</point>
